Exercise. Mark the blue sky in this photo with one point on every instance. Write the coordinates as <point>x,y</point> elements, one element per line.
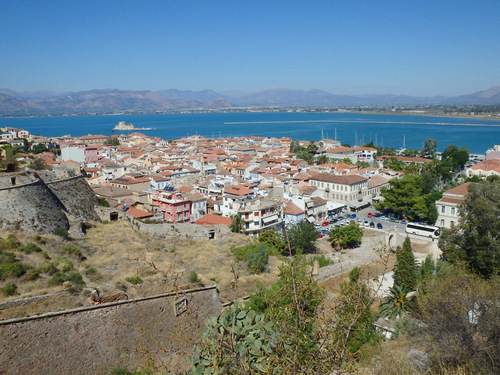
<point>344,47</point>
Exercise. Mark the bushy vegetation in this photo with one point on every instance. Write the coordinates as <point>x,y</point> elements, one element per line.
<point>346,237</point>
<point>10,266</point>
<point>476,242</point>
<point>134,280</point>
<point>193,277</point>
<point>60,278</point>
<point>9,289</point>
<point>255,254</point>
<point>285,329</point>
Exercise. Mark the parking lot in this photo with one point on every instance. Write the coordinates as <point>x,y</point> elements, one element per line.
<point>367,217</point>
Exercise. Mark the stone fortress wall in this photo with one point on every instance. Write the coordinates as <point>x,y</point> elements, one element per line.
<point>42,201</point>
<point>96,339</point>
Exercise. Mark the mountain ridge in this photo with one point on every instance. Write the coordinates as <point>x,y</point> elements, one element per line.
<point>115,100</point>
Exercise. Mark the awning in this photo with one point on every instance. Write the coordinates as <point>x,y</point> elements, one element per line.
<point>270,219</point>
<point>311,219</point>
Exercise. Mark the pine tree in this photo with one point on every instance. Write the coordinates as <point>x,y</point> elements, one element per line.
<point>405,270</point>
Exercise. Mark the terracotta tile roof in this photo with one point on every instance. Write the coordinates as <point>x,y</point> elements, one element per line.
<point>135,212</point>
<point>451,200</point>
<point>462,190</point>
<point>292,209</point>
<point>344,180</point>
<point>487,165</point>
<point>211,219</point>
<point>238,190</point>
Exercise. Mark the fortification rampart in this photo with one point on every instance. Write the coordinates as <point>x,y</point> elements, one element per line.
<point>76,196</point>
<point>96,339</point>
<point>31,207</point>
<point>29,203</point>
<point>182,230</point>
<point>166,230</point>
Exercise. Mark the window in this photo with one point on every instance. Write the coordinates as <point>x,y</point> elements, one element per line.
<point>442,222</point>
<point>443,209</point>
<point>453,210</point>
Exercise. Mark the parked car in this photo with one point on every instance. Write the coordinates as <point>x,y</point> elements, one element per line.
<point>370,214</point>
<point>320,235</point>
<point>393,220</point>
<point>352,216</point>
<point>325,223</point>
<point>372,225</point>
<point>333,221</point>
<point>383,217</point>
<point>403,222</point>
<point>365,223</point>
<point>379,226</point>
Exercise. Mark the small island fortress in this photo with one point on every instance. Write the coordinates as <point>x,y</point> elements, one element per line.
<point>122,125</point>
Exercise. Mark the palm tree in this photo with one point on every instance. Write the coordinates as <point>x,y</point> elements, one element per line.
<point>396,303</point>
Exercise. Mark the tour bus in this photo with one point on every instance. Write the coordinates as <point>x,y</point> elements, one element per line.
<point>423,230</point>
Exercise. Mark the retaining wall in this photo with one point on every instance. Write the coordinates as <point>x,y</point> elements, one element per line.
<point>96,339</point>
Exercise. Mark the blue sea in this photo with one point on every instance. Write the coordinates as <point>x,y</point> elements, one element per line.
<point>354,129</point>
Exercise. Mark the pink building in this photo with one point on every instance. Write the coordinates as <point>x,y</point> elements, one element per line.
<point>174,207</point>
<point>91,154</point>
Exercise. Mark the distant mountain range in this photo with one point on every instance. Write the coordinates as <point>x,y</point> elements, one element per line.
<point>113,101</point>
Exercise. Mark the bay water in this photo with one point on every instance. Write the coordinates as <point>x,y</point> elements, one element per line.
<point>355,129</point>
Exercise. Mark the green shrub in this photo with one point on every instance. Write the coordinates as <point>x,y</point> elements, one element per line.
<point>322,260</point>
<point>30,248</point>
<point>32,274</point>
<point>193,277</point>
<point>61,232</point>
<point>48,267</point>
<point>11,243</point>
<point>59,278</point>
<point>257,261</point>
<point>71,250</point>
<point>134,280</point>
<point>242,252</point>
<point>12,269</point>
<point>65,265</point>
<point>9,289</point>
<point>89,270</point>
<point>103,202</point>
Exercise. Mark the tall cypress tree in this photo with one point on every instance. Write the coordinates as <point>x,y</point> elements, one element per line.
<point>405,270</point>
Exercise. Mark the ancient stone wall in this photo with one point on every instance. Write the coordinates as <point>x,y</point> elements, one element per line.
<point>34,204</point>
<point>182,230</point>
<point>96,339</point>
<point>77,197</point>
<point>31,207</point>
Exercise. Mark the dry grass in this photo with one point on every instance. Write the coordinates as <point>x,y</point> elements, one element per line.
<point>116,251</point>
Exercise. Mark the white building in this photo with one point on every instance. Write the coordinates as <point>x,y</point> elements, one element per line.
<point>448,206</point>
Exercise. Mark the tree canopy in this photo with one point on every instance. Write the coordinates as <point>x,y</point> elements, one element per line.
<point>346,237</point>
<point>405,270</point>
<point>303,238</point>
<point>409,197</point>
<point>477,241</point>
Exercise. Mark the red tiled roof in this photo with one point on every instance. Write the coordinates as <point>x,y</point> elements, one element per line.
<point>211,219</point>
